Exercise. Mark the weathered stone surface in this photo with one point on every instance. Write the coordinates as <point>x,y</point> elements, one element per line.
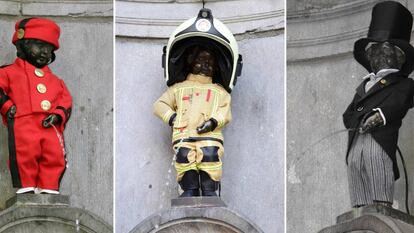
<point>195,219</point>
<point>48,214</point>
<point>373,218</point>
<point>376,209</point>
<point>36,199</point>
<point>321,80</point>
<point>326,31</point>
<point>9,7</point>
<point>149,19</point>
<point>197,202</point>
<point>73,8</point>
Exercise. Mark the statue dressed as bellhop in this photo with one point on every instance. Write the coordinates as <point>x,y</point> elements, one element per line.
<point>375,114</point>
<point>201,65</point>
<point>35,105</point>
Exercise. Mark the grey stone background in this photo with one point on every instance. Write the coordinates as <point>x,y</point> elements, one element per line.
<point>253,179</point>
<point>321,80</point>
<point>85,63</point>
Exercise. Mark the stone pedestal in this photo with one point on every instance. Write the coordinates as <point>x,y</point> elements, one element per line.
<point>373,218</point>
<point>197,214</point>
<point>44,199</point>
<point>197,202</point>
<point>34,213</point>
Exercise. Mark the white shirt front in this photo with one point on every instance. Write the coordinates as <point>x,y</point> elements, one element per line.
<point>374,78</point>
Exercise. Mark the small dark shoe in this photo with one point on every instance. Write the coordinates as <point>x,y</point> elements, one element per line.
<point>190,193</point>
<point>208,193</point>
<point>208,186</point>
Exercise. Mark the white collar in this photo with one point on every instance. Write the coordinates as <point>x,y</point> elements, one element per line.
<point>382,73</point>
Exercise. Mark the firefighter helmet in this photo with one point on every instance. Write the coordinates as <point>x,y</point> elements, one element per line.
<point>206,32</point>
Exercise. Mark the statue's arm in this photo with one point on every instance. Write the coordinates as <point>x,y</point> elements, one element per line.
<point>63,107</point>
<point>5,102</point>
<point>223,113</point>
<point>165,106</point>
<point>396,105</point>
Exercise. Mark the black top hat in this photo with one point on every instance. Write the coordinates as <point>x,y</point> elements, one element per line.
<point>390,22</point>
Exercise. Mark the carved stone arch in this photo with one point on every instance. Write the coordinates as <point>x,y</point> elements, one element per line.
<point>48,214</point>
<point>372,223</point>
<point>190,219</point>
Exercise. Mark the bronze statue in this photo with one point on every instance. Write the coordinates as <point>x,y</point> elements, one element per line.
<point>35,105</point>
<point>200,71</point>
<point>379,105</point>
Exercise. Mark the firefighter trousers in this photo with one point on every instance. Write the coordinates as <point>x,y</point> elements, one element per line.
<point>202,155</point>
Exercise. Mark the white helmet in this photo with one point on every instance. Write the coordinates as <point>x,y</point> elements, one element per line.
<point>212,34</point>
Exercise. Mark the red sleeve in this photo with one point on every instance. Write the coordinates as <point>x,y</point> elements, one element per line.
<point>5,102</point>
<point>64,105</point>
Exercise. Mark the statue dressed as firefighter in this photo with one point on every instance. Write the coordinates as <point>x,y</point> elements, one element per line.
<point>201,64</point>
<point>35,105</point>
<point>375,114</point>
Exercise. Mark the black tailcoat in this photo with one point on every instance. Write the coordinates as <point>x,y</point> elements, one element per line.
<point>394,95</point>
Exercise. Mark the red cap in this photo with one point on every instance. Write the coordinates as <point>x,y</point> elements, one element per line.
<point>37,28</point>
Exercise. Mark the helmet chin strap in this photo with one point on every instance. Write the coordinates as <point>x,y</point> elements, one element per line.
<point>52,59</point>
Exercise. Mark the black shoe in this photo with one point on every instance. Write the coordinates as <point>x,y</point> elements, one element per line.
<point>30,192</point>
<point>191,193</point>
<point>208,186</point>
<point>190,184</point>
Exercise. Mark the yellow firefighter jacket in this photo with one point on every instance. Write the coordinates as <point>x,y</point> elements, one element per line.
<point>194,100</point>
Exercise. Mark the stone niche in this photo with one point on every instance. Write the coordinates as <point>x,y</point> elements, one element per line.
<point>30,213</point>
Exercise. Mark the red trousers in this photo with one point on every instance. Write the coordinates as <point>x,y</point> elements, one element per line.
<point>38,159</point>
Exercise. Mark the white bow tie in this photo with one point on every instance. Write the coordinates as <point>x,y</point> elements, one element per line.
<point>374,78</point>
<point>382,73</point>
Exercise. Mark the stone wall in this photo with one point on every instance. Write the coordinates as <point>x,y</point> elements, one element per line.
<point>84,62</point>
<point>253,180</point>
<point>321,80</point>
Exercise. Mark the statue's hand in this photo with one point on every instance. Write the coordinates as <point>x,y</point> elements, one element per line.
<point>371,121</point>
<point>207,126</point>
<point>50,120</point>
<point>11,112</point>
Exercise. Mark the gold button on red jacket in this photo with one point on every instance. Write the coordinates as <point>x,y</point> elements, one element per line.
<point>34,90</point>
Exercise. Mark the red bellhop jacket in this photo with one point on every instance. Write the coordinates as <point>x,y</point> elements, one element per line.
<point>34,90</point>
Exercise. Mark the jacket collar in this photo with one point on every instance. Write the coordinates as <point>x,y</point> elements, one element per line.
<point>387,80</point>
<point>199,78</point>
<point>382,73</point>
<point>29,67</point>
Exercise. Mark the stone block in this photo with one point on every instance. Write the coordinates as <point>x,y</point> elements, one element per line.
<point>9,7</point>
<point>68,8</point>
<point>156,19</point>
<point>38,199</point>
<point>197,202</point>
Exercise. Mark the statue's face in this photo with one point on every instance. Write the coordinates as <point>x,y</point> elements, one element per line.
<point>385,56</point>
<point>204,64</point>
<point>37,52</point>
